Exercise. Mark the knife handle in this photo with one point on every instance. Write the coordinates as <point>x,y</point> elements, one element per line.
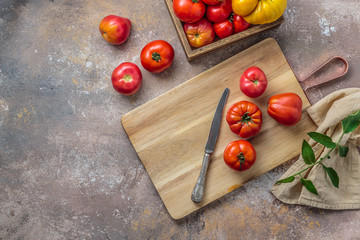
<point>198,192</point>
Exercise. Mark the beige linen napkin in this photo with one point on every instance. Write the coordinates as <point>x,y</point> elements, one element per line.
<point>327,114</point>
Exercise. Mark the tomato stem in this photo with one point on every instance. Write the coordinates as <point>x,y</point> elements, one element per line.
<point>156,56</point>
<point>245,119</point>
<point>241,158</point>
<point>195,1</point>
<point>127,77</point>
<point>231,17</point>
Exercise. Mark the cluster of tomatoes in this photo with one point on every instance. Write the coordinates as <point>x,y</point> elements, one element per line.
<point>205,18</point>
<point>245,118</point>
<point>155,57</point>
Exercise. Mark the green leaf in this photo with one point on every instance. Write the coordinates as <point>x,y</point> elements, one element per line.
<point>323,139</point>
<point>309,185</point>
<point>286,180</point>
<point>343,151</point>
<point>307,153</point>
<point>332,175</point>
<point>351,122</point>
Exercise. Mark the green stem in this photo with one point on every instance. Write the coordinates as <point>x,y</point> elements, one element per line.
<point>245,119</point>
<point>127,78</point>
<point>156,56</point>
<point>320,160</point>
<point>241,159</point>
<point>231,17</point>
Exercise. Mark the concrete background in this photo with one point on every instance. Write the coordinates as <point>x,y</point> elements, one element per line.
<point>67,168</point>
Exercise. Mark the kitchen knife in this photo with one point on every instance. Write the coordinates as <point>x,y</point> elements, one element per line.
<point>198,192</point>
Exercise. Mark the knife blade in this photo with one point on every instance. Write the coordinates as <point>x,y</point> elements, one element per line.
<point>198,192</point>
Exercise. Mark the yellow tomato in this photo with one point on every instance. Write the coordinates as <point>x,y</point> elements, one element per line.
<point>266,11</point>
<point>244,7</point>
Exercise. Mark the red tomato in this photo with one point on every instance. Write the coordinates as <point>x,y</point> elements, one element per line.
<point>253,82</point>
<point>189,11</point>
<point>239,23</point>
<point>219,12</point>
<point>115,29</point>
<point>285,108</point>
<point>126,78</point>
<point>240,155</point>
<point>200,33</point>
<point>244,118</point>
<point>212,2</point>
<point>157,56</point>
<point>223,29</point>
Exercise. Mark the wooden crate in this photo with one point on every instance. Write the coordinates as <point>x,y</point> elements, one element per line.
<point>193,53</point>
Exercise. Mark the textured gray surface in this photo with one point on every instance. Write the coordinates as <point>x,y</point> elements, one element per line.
<point>67,168</point>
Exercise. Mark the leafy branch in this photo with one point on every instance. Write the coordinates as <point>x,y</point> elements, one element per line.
<point>349,124</point>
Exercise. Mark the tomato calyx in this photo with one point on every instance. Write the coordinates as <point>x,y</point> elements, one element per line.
<point>241,158</point>
<point>127,78</point>
<point>245,118</point>
<point>156,56</point>
<point>195,1</point>
<point>231,18</point>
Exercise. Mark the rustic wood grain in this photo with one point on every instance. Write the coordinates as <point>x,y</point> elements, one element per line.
<point>194,53</point>
<point>169,133</point>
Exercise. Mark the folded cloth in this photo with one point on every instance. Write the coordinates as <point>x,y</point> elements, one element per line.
<point>327,114</point>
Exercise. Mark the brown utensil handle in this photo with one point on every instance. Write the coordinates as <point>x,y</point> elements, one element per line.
<point>333,68</point>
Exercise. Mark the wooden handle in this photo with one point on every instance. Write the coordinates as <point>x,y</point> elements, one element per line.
<point>198,192</point>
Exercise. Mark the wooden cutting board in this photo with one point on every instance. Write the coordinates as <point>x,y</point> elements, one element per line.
<point>169,133</point>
